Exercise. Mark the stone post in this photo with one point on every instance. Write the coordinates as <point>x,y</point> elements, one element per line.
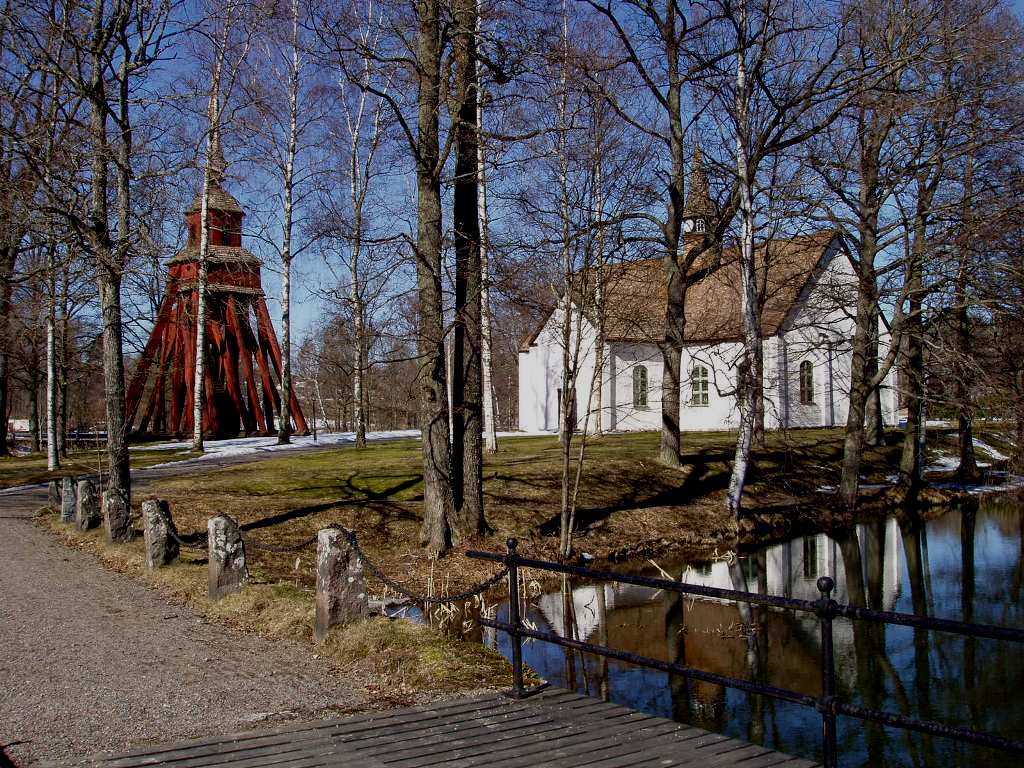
<point>340,583</point>
<point>68,500</point>
<point>227,572</point>
<point>88,515</point>
<point>117,517</point>
<point>53,496</point>
<point>158,532</point>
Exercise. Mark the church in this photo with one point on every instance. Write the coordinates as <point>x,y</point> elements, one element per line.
<point>807,288</point>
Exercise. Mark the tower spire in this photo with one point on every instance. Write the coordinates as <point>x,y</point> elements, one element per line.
<point>215,161</point>
<point>698,201</point>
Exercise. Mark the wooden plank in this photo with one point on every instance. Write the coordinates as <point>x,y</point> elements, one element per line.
<point>233,742</point>
<point>613,745</point>
<point>570,746</point>
<point>554,729</point>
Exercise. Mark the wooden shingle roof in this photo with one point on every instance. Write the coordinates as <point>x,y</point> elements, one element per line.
<point>635,293</point>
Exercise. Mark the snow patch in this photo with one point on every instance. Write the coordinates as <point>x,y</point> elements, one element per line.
<point>243,446</point>
<point>992,452</point>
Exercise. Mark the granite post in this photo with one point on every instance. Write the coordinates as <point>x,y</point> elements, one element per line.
<point>226,571</point>
<point>117,517</point>
<point>88,512</point>
<point>340,583</point>
<point>159,533</point>
<point>68,500</point>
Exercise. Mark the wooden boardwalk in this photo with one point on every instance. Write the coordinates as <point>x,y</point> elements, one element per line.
<point>555,728</point>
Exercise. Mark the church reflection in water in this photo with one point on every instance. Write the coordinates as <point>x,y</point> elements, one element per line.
<point>965,565</point>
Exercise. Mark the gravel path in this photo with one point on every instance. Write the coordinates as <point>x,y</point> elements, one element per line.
<point>93,661</point>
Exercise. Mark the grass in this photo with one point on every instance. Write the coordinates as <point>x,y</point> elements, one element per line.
<point>630,506</point>
<point>29,469</point>
<point>394,659</point>
<point>413,657</point>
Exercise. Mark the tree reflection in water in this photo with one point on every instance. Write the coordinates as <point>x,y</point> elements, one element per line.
<point>967,564</point>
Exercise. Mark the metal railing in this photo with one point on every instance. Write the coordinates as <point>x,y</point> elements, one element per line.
<point>828,704</point>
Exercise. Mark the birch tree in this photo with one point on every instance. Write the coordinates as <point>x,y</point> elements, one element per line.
<point>214,169</point>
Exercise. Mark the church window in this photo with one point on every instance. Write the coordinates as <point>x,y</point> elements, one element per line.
<point>640,387</point>
<point>698,225</point>
<point>700,386</point>
<point>807,382</point>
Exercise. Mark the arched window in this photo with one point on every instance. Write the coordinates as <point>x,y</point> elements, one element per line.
<point>807,382</point>
<point>640,387</point>
<point>699,226</point>
<point>700,386</point>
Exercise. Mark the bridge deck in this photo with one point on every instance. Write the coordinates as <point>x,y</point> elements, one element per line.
<point>555,728</point>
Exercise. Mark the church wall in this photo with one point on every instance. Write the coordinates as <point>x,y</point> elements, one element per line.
<point>623,361</point>
<point>719,361</point>
<point>540,376</point>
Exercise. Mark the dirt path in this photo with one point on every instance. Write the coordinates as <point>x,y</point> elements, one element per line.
<point>91,660</point>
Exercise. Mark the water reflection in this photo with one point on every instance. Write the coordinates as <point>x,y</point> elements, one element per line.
<point>966,564</point>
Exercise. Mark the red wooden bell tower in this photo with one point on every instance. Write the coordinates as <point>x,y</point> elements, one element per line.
<point>243,358</point>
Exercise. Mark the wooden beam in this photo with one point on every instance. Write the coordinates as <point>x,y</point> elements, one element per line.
<point>271,400</point>
<point>178,390</point>
<point>267,326</point>
<point>246,356</point>
<point>229,359</point>
<point>138,383</point>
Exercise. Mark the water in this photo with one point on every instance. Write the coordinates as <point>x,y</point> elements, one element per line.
<point>968,564</point>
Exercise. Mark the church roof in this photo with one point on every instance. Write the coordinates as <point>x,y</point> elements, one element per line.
<point>636,296</point>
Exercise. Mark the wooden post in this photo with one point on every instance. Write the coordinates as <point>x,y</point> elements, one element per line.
<point>263,315</point>
<point>246,357</point>
<point>138,382</point>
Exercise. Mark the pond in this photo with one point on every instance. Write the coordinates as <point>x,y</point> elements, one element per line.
<point>967,564</point>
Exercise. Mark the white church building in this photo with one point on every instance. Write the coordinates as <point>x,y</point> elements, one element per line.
<point>808,290</point>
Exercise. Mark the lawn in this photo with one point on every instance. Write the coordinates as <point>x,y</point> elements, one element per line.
<point>630,506</point>
<point>30,469</point>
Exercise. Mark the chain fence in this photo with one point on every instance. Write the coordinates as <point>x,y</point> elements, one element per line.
<point>402,589</point>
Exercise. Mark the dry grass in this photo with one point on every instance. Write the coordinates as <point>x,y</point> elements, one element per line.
<point>395,657</point>
<point>410,657</point>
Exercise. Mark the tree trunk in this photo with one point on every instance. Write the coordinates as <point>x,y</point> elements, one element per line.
<point>866,324</point>
<point>437,491</point>
<point>108,268</point>
<point>853,442</point>
<point>65,354</point>
<point>967,471</point>
<point>671,348</point>
<point>33,414</point>
<point>599,289</point>
<point>487,368</point>
<point>7,258</point>
<point>285,425</point>
<point>358,385</point>
<point>912,460</point>
<point>874,429</point>
<point>52,440</point>
<point>467,389</point>
<point>567,403</point>
<point>748,371</point>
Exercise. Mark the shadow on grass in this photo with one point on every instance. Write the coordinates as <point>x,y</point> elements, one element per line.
<point>699,482</point>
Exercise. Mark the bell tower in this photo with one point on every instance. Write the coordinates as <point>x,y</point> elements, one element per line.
<point>243,358</point>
